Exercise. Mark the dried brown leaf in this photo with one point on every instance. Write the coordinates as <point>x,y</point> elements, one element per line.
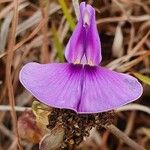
<point>28,129</point>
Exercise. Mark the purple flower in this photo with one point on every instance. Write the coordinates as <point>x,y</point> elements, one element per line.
<point>80,84</point>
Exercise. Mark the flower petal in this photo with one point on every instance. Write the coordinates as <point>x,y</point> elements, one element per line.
<point>93,45</point>
<point>84,45</point>
<point>57,85</point>
<point>75,48</point>
<point>105,90</point>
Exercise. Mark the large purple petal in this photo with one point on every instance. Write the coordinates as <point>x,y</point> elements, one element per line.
<point>104,90</point>
<point>57,85</point>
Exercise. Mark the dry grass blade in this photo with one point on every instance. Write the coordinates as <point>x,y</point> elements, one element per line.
<point>4,1</point>
<point>57,44</point>
<point>117,47</point>
<point>137,47</point>
<point>144,26</point>
<point>130,64</point>
<point>64,32</point>
<point>40,34</point>
<point>5,11</point>
<point>124,18</point>
<point>11,44</point>
<point>130,123</point>
<point>5,26</point>
<point>132,34</point>
<point>145,131</point>
<point>4,32</point>
<point>17,108</point>
<point>134,107</point>
<point>7,132</point>
<point>129,127</point>
<point>119,61</point>
<point>35,19</point>
<point>35,31</point>
<point>76,8</point>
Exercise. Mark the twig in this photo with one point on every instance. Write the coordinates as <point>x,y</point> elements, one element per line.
<point>7,132</point>
<point>130,123</point>
<point>35,19</point>
<point>44,52</point>
<point>126,66</point>
<point>5,1</point>
<point>118,133</point>
<point>137,47</point>
<point>8,9</point>
<point>129,127</point>
<point>132,35</point>
<point>76,8</point>
<point>6,25</point>
<point>134,107</point>
<point>117,62</point>
<point>11,44</point>
<point>17,46</point>
<point>121,8</point>
<point>13,145</point>
<point>17,108</point>
<point>124,18</point>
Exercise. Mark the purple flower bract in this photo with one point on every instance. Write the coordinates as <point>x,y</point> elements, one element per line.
<point>80,84</point>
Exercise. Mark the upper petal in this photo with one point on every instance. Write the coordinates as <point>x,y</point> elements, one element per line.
<point>85,41</point>
<point>105,90</point>
<point>75,47</point>
<point>93,44</point>
<point>57,85</point>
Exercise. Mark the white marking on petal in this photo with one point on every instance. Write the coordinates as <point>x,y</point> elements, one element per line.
<point>86,17</point>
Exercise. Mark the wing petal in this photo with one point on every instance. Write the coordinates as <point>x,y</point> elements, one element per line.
<point>105,90</point>
<point>57,85</point>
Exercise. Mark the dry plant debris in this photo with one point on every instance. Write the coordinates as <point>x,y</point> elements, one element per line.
<point>27,34</point>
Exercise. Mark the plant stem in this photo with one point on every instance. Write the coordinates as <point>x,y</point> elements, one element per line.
<point>118,133</point>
